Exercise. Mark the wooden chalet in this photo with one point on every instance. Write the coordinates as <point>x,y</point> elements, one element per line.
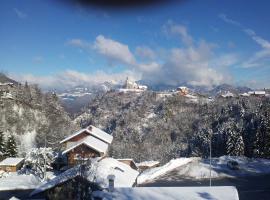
<point>129,161</point>
<point>11,164</point>
<point>87,143</point>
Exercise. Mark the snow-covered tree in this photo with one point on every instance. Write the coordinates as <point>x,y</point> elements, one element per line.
<point>10,147</point>
<point>262,144</point>
<point>234,139</point>
<point>39,160</point>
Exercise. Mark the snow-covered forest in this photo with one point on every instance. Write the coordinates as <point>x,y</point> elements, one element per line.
<point>147,127</point>
<point>32,117</point>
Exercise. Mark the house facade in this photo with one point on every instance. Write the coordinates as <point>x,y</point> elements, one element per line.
<point>87,143</point>
<point>11,164</point>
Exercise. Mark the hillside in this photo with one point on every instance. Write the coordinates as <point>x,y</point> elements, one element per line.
<point>31,116</point>
<point>148,127</point>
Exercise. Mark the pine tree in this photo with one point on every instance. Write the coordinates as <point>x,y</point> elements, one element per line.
<point>11,147</point>
<point>234,139</point>
<point>262,144</point>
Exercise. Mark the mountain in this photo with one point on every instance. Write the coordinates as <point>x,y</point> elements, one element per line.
<point>75,98</point>
<point>5,79</point>
<point>146,126</point>
<point>32,116</point>
<point>226,87</point>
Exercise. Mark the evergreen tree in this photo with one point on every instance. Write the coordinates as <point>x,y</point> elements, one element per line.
<point>262,144</point>
<point>234,139</point>
<point>11,147</point>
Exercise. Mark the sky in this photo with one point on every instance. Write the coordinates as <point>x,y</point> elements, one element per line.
<point>201,43</point>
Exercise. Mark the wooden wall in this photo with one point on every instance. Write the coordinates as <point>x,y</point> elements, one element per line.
<point>82,150</point>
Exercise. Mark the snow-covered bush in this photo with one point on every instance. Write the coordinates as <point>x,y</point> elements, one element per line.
<point>38,161</point>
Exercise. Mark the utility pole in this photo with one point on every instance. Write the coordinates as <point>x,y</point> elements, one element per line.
<point>210,182</point>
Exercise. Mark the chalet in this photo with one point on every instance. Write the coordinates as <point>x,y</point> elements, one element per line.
<point>147,165</point>
<point>130,86</point>
<point>11,164</point>
<point>257,93</point>
<point>227,94</point>
<point>87,143</point>
<point>182,90</point>
<point>128,161</point>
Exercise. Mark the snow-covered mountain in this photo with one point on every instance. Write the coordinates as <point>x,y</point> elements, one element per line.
<point>31,115</point>
<point>74,99</point>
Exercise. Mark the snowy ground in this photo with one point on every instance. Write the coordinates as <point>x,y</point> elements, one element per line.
<point>171,193</point>
<point>198,168</point>
<point>15,181</point>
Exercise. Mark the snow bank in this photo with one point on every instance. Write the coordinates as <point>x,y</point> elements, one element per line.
<point>19,182</point>
<point>155,172</point>
<point>171,193</point>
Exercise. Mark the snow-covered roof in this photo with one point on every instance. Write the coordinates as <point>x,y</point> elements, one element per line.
<point>11,161</point>
<point>228,94</point>
<point>19,182</point>
<point>74,134</point>
<point>182,87</point>
<point>91,142</point>
<point>257,92</point>
<point>92,130</point>
<point>100,134</point>
<point>61,178</point>
<point>4,84</point>
<point>158,171</point>
<point>150,163</point>
<point>129,159</point>
<point>172,193</point>
<point>245,94</point>
<point>125,176</point>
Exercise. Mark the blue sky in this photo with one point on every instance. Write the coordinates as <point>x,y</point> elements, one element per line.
<point>198,42</point>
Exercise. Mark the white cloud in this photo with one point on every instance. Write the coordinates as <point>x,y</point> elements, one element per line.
<point>259,40</point>
<point>259,58</point>
<point>71,78</point>
<point>149,67</point>
<point>145,52</point>
<point>170,28</point>
<point>19,13</point>
<point>114,51</point>
<point>78,43</point>
<point>192,65</point>
<point>228,20</point>
<point>195,63</point>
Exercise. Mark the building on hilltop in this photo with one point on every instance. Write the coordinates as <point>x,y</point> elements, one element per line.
<point>257,93</point>
<point>87,143</point>
<point>130,85</point>
<point>182,90</point>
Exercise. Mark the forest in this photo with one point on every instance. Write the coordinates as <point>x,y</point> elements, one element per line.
<point>146,127</point>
